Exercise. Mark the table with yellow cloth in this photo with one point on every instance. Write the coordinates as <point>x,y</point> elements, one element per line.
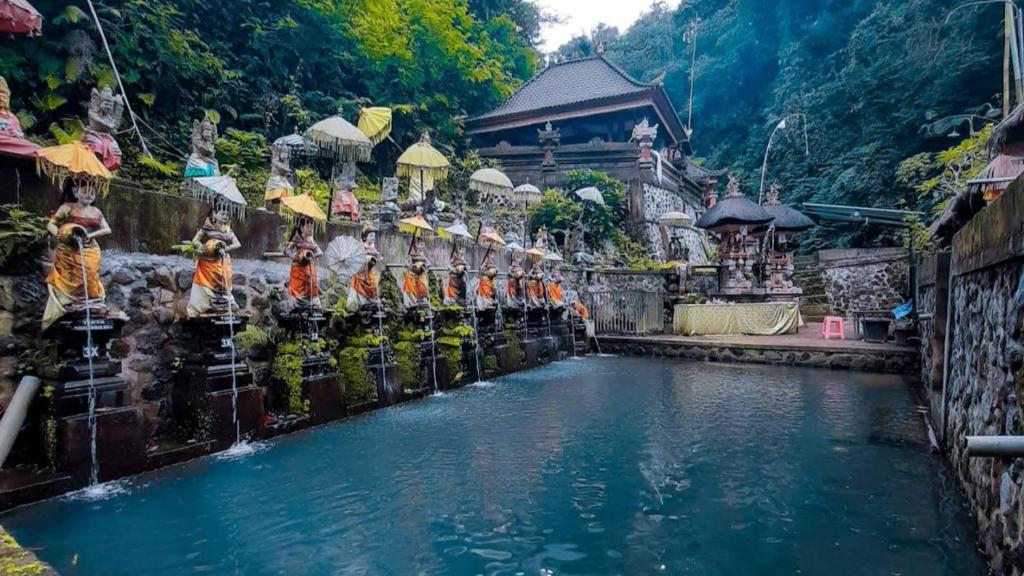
<point>764,319</point>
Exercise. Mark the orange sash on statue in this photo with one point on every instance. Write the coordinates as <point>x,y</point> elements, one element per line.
<point>454,288</point>
<point>486,288</point>
<point>535,289</point>
<point>302,282</point>
<point>555,294</point>
<point>581,310</point>
<point>415,285</point>
<point>365,283</point>
<point>213,273</point>
<point>514,289</point>
<point>66,274</point>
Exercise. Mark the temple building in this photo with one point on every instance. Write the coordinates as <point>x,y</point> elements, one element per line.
<point>589,113</point>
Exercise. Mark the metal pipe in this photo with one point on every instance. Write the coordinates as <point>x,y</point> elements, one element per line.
<point>15,414</point>
<point>995,446</point>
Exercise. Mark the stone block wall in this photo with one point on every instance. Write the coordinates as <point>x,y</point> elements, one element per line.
<point>983,398</point>
<point>153,291</point>
<point>865,279</point>
<point>984,380</point>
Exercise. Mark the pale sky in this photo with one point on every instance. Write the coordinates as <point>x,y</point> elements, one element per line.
<point>582,15</point>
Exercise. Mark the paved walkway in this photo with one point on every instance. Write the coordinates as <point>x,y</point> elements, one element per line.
<point>809,338</point>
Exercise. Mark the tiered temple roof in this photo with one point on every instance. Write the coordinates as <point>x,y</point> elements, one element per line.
<point>577,88</point>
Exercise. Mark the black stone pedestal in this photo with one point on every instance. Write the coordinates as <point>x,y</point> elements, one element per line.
<point>120,444</point>
<point>202,400</point>
<point>80,364</point>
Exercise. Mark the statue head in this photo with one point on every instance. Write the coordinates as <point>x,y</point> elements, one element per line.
<point>418,265</point>
<point>5,96</point>
<point>219,213</point>
<point>204,135</point>
<point>280,159</point>
<point>76,190</point>
<point>105,110</point>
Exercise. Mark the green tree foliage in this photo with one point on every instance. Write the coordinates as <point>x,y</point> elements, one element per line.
<point>867,74</point>
<point>269,66</point>
<point>565,214</point>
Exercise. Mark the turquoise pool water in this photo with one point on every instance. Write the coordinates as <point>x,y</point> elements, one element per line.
<point>602,466</point>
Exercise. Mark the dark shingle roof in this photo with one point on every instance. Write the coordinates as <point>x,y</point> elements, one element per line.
<point>571,82</point>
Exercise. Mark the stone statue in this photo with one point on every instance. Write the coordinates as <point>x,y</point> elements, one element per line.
<point>279,184</point>
<point>455,289</point>
<point>487,289</point>
<point>212,282</point>
<point>303,283</point>
<point>535,298</point>
<point>74,278</point>
<point>105,110</point>
<point>415,288</point>
<point>556,296</point>
<point>365,284</point>
<point>12,139</point>
<point>514,293</point>
<point>203,161</point>
<point>344,203</point>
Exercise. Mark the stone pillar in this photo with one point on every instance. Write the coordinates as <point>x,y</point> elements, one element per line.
<point>549,139</point>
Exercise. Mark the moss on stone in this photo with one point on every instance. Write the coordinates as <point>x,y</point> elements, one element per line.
<point>354,371</point>
<point>407,356</point>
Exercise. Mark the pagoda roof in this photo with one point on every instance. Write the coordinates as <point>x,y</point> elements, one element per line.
<point>575,88</point>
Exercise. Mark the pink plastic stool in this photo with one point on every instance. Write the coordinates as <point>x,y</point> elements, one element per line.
<point>832,326</point>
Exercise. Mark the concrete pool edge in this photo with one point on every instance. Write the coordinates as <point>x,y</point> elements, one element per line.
<point>877,358</point>
<point>16,560</point>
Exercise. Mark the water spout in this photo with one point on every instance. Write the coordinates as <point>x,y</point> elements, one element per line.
<point>433,349</point>
<point>476,337</point>
<point>234,377</point>
<point>380,329</point>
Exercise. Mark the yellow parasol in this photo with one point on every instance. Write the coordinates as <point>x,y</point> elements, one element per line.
<point>375,122</point>
<point>74,160</point>
<point>305,205</point>
<point>423,161</point>
<point>414,224</point>
<point>536,254</point>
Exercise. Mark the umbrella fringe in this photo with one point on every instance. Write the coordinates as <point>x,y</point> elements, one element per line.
<point>435,172</point>
<point>58,174</point>
<point>488,188</point>
<point>318,225</point>
<point>329,147</point>
<point>204,194</point>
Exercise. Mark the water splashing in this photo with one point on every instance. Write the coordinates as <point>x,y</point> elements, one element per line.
<point>94,468</point>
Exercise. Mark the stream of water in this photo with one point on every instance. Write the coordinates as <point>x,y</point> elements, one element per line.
<point>94,465</point>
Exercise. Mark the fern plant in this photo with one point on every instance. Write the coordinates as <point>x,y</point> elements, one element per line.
<point>21,238</point>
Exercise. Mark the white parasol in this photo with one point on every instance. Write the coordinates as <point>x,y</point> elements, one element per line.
<point>217,189</point>
<point>345,256</point>
<point>491,181</point>
<point>591,194</point>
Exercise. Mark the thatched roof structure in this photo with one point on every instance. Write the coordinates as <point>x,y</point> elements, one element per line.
<point>787,218</point>
<point>733,211</point>
<point>1009,131</point>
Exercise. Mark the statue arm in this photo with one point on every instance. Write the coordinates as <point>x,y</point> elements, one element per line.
<point>53,226</point>
<point>103,230</point>
<point>235,244</point>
